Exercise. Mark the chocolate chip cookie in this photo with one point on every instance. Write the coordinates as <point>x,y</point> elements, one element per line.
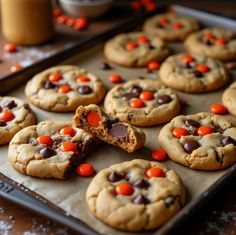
<point>64,88</point>
<point>142,103</point>
<point>200,141</point>
<point>15,114</point>
<point>214,42</point>
<point>50,149</point>
<point>109,129</point>
<point>135,49</point>
<point>170,27</point>
<point>135,195</point>
<point>193,74</point>
<point>229,98</point>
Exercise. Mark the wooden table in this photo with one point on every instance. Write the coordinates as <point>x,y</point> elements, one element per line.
<point>217,217</point>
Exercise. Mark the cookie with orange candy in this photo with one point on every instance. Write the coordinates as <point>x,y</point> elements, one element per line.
<point>109,129</point>
<point>203,141</point>
<point>50,149</point>
<point>136,195</point>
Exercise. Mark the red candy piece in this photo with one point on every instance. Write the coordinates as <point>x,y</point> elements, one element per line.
<point>164,21</point>
<point>203,68</point>
<point>93,119</point>
<point>178,132</point>
<point>68,131</point>
<point>177,25</point>
<point>154,65</point>
<point>124,189</point>
<point>6,116</point>
<point>159,154</point>
<point>55,77</point>
<point>143,40</point>
<point>155,172</point>
<point>15,68</point>
<point>83,78</point>
<point>146,95</point>
<point>68,147</point>
<point>64,89</point>
<point>137,103</point>
<point>218,109</point>
<point>62,19</point>
<point>204,130</point>
<point>57,12</point>
<point>221,41</point>
<point>151,6</point>
<point>85,169</point>
<point>136,5</point>
<point>131,46</point>
<point>10,47</point>
<point>208,37</point>
<point>45,139</point>
<point>81,23</point>
<point>115,78</point>
<point>187,59</point>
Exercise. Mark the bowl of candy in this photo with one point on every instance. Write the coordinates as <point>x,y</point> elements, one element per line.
<point>85,8</point>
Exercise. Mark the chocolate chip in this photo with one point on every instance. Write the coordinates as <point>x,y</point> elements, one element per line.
<point>114,177</point>
<point>2,123</point>
<point>191,122</point>
<point>187,65</point>
<point>197,74</point>
<point>130,116</point>
<point>151,47</point>
<point>109,122</point>
<point>105,66</point>
<point>119,130</point>
<point>163,99</point>
<point>218,128</point>
<point>49,85</point>
<point>141,77</point>
<point>33,142</point>
<point>228,140</point>
<point>169,201</point>
<point>159,26</point>
<point>47,152</point>
<point>141,183</point>
<point>131,95</point>
<point>209,42</point>
<point>9,104</point>
<point>136,89</point>
<point>56,143</point>
<point>85,90</point>
<point>191,145</point>
<point>140,199</point>
<point>217,156</point>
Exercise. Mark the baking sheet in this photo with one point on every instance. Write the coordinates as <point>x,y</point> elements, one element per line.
<point>69,195</point>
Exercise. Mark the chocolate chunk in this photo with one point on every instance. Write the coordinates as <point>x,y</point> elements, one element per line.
<point>136,89</point>
<point>159,26</point>
<point>49,85</point>
<point>130,116</point>
<point>141,183</point>
<point>164,99</point>
<point>85,90</point>
<point>187,65</point>
<point>109,122</point>
<point>140,199</point>
<point>131,95</point>
<point>56,143</point>
<point>151,47</point>
<point>9,104</point>
<point>191,145</point>
<point>217,128</point>
<point>228,140</point>
<point>141,77</point>
<point>2,123</point>
<point>114,177</point>
<point>197,74</point>
<point>119,130</point>
<point>47,152</point>
<point>217,156</point>
<point>191,122</point>
<point>105,66</point>
<point>169,201</point>
<point>33,142</point>
<point>209,42</point>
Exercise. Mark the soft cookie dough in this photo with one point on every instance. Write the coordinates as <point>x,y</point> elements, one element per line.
<point>135,195</point>
<point>196,148</point>
<point>193,73</point>
<point>135,49</point>
<point>64,88</point>
<point>157,104</point>
<point>15,114</point>
<point>229,98</point>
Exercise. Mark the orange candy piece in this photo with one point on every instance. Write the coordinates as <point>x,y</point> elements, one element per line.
<point>85,169</point>
<point>218,109</point>
<point>124,189</point>
<point>178,132</point>
<point>62,19</point>
<point>54,77</point>
<point>221,41</point>
<point>177,25</point>
<point>83,78</point>
<point>45,139</point>
<point>187,59</point>
<point>15,68</point>
<point>208,36</point>
<point>155,172</point>
<point>131,46</point>
<point>164,21</point>
<point>115,78</point>
<point>143,40</point>
<point>204,130</point>
<point>10,47</point>
<point>70,22</point>
<point>93,119</point>
<point>68,147</point>
<point>146,95</point>
<point>137,103</point>
<point>64,89</point>
<point>68,131</point>
<point>159,154</point>
<point>6,116</point>
<point>203,68</point>
<point>81,23</point>
<point>154,65</point>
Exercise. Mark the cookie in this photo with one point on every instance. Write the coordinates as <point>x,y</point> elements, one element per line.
<point>142,103</point>
<point>214,42</point>
<point>135,49</point>
<point>200,141</point>
<point>64,88</point>
<point>193,74</point>
<point>50,149</point>
<point>170,27</point>
<point>109,129</point>
<point>135,195</point>
<point>15,114</point>
<point>229,98</point>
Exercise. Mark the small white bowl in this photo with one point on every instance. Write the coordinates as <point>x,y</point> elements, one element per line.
<point>91,9</point>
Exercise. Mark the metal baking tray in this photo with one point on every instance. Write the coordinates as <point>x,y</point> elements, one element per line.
<point>22,195</point>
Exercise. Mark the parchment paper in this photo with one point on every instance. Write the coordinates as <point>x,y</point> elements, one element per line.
<point>70,194</point>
